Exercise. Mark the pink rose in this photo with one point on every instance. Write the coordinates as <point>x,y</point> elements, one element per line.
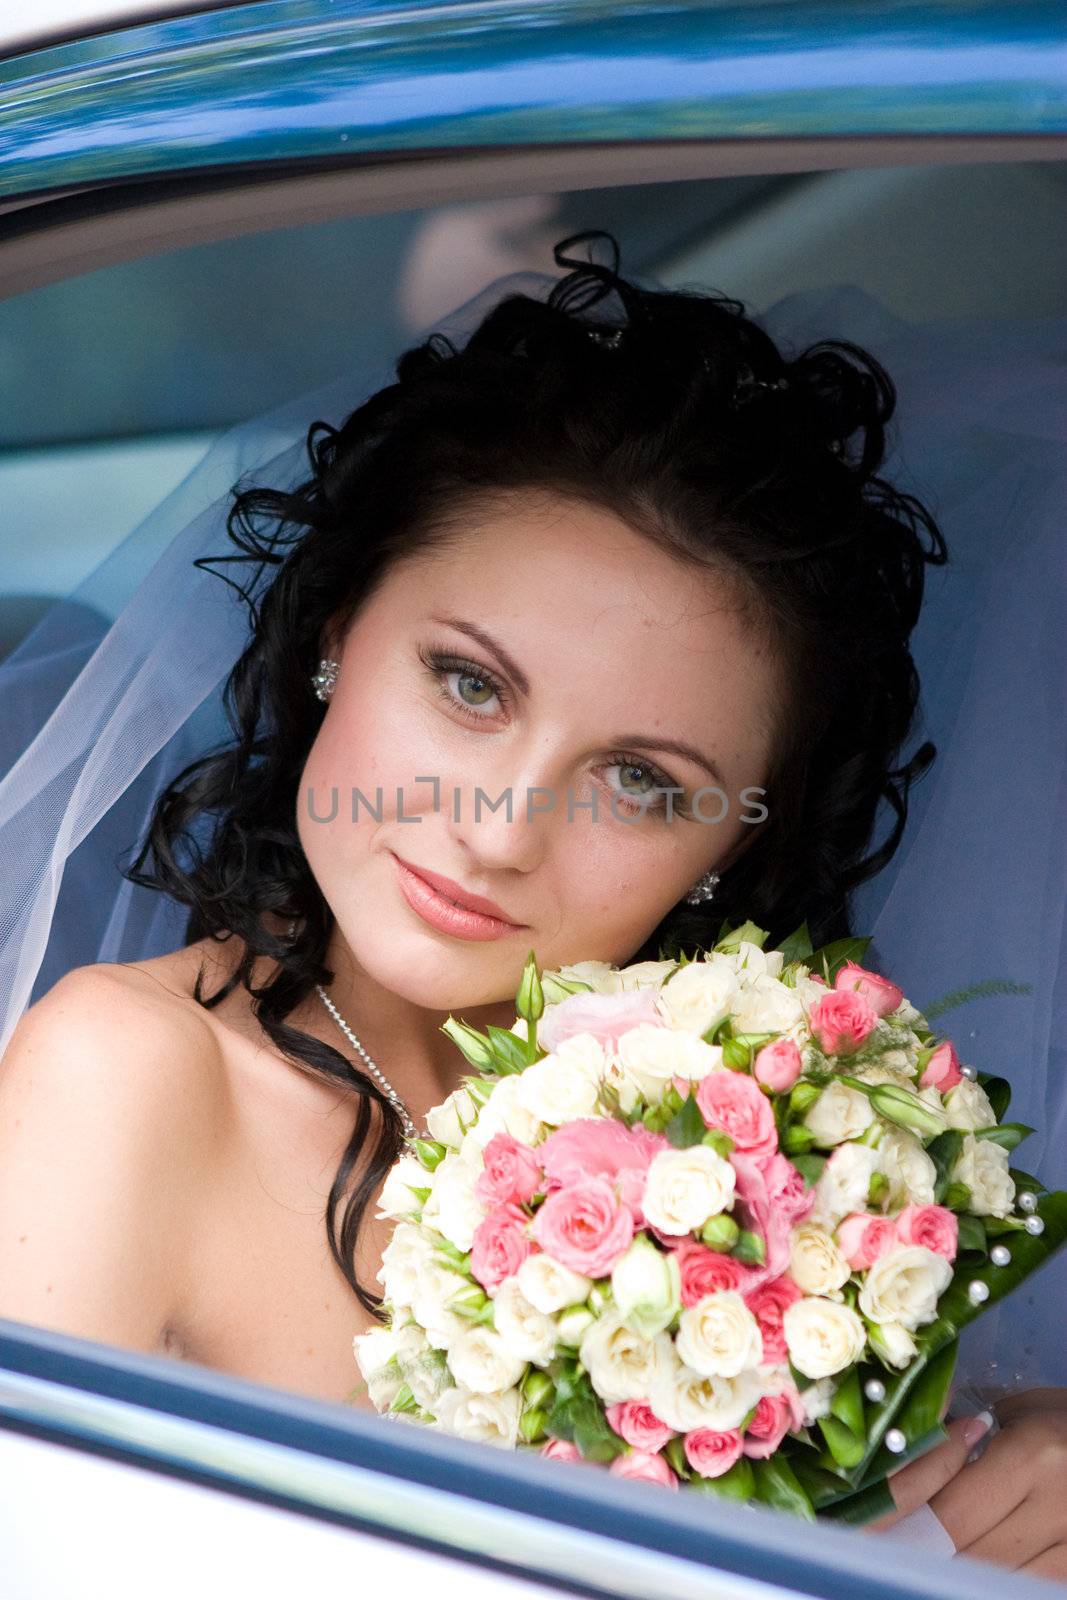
<point>500,1246</point>
<point>769,1304</point>
<point>560,1450</point>
<point>776,1415</point>
<point>605,1016</point>
<point>711,1453</point>
<point>735,1103</point>
<point>786,1189</point>
<point>642,1464</point>
<point>637,1423</point>
<point>863,1239</point>
<point>597,1147</point>
<point>585,1227</point>
<point>703,1271</point>
<point>934,1227</point>
<point>511,1174</point>
<point>841,1021</point>
<point>771,1198</point>
<point>777,1066</point>
<point>942,1071</point>
<point>883,995</point>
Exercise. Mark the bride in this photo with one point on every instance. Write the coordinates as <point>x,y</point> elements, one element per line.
<point>570,631</point>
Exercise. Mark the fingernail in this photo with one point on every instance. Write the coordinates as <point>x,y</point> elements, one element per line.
<point>976,1428</point>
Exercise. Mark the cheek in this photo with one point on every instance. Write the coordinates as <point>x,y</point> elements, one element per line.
<point>618,887</point>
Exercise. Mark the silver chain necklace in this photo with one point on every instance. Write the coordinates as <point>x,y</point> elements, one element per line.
<point>410,1130</point>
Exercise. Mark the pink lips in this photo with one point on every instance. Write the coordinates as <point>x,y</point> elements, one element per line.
<point>441,902</point>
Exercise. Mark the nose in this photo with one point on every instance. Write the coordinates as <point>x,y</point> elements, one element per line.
<point>505,818</point>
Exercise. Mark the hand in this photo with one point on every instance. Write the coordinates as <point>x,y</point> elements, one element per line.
<point>1010,1506</point>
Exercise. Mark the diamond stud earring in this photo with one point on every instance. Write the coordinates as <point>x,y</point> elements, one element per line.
<point>323,681</point>
<point>703,889</point>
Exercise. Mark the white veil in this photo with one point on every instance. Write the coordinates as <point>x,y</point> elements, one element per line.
<point>119,686</point>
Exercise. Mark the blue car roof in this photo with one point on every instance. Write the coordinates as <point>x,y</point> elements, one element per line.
<point>291,81</point>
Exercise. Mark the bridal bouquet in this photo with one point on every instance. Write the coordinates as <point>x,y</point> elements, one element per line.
<point>713,1222</point>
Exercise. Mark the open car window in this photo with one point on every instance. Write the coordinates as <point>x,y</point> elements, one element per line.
<point>139,267</point>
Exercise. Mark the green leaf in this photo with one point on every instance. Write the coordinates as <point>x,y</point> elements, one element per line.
<point>577,1415</point>
<point>999,1092</point>
<point>847,1403</point>
<point>509,1051</point>
<point>810,1165</point>
<point>747,931</point>
<point>1007,1134</point>
<point>750,1249</point>
<point>864,1506</point>
<point>687,1127</point>
<point>737,1484</point>
<point>943,1152</point>
<point>830,958</point>
<point>797,945</point>
<point>847,1448</point>
<point>972,1233</point>
<point>778,1485</point>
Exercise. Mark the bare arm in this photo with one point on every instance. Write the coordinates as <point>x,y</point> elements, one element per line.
<point>107,1104</point>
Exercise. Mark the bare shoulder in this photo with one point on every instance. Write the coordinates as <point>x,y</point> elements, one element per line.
<point>100,1017</point>
<point>111,1107</point>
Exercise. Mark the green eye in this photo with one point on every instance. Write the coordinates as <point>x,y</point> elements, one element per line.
<point>644,772</point>
<point>484,688</point>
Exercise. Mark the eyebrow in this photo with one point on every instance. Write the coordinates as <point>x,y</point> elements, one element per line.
<point>639,741</point>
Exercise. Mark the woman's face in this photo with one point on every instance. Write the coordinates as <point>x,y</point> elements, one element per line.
<point>615,649</point>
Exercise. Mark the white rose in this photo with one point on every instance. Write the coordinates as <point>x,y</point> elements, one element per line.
<point>374,1352</point>
<point>910,1172</point>
<point>843,1183</point>
<point>448,1122</point>
<point>646,1287</point>
<point>644,975</point>
<point>768,1006</point>
<point>487,1418</point>
<point>549,1286</point>
<point>652,1057</point>
<point>453,1208</point>
<point>397,1200</point>
<point>601,976</point>
<point>902,1059</point>
<point>816,1265</point>
<point>621,1365</point>
<point>817,1399</point>
<point>807,989</point>
<point>967,1107</point>
<point>503,1113</point>
<point>752,963</point>
<point>904,1285</point>
<point>884,1071</point>
<point>983,1167</point>
<point>685,1399</point>
<point>822,1336</point>
<point>564,1085</point>
<point>431,1304</point>
<point>894,1344</point>
<point>719,1337</point>
<point>906,1014</point>
<point>839,1114</point>
<point>686,1187</point>
<point>525,1330</point>
<point>403,1259</point>
<point>483,1361</point>
<point>699,995</point>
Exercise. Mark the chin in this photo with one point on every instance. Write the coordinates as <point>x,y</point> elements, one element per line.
<point>436,974</point>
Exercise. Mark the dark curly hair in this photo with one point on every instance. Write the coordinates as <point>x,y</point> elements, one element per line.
<point>679,414</point>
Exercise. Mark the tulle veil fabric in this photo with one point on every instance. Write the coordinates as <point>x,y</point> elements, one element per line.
<point>119,686</point>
